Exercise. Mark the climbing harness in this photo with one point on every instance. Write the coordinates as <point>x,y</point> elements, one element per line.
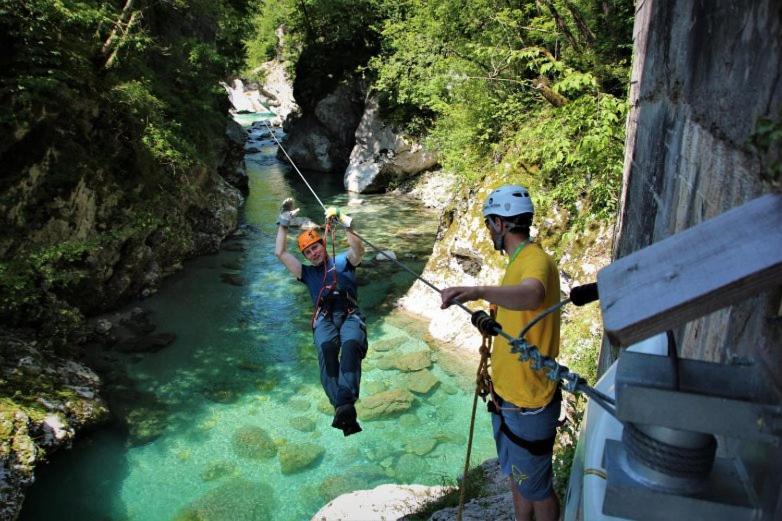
<point>556,372</point>
<point>489,327</point>
<point>330,294</point>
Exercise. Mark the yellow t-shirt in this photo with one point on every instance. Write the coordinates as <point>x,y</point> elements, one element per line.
<point>513,379</point>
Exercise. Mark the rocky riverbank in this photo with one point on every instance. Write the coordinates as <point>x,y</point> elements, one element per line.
<point>49,394</point>
<point>46,400</point>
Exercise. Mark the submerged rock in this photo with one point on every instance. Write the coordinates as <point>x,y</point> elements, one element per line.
<point>413,361</point>
<point>147,343</point>
<point>296,457</point>
<point>420,447</point>
<point>146,424</point>
<point>253,442</point>
<point>237,500</point>
<point>222,392</point>
<point>410,468</point>
<point>387,344</point>
<point>408,421</point>
<point>233,279</point>
<point>218,470</point>
<point>298,404</point>
<point>384,405</point>
<point>302,423</point>
<point>422,382</point>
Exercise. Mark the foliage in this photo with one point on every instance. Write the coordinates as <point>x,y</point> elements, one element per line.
<point>767,140</point>
<point>535,83</point>
<point>121,97</point>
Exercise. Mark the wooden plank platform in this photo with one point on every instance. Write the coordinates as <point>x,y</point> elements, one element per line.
<point>719,262</point>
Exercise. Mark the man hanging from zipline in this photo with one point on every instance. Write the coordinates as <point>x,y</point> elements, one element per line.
<point>338,326</point>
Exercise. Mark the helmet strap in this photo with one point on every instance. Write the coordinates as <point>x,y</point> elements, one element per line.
<point>497,238</point>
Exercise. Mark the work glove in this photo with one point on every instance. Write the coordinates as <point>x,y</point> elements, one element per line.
<point>287,212</point>
<point>332,212</point>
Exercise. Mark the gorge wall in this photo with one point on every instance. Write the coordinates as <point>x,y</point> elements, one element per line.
<point>706,91</point>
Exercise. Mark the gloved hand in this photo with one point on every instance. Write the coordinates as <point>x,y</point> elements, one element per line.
<point>332,212</point>
<point>287,212</point>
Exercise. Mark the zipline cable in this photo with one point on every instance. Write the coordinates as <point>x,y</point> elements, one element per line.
<point>556,372</point>
<point>362,239</point>
<point>293,164</point>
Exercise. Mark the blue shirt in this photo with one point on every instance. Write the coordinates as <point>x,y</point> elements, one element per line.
<point>313,277</point>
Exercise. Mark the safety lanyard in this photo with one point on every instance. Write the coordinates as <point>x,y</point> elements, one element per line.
<point>518,250</point>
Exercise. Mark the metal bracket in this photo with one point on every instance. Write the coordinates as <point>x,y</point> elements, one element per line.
<point>721,500</point>
<point>707,397</point>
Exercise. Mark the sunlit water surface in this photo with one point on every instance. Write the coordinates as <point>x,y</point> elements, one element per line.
<point>244,357</point>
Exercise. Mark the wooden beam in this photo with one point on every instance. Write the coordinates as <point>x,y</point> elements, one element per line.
<point>715,264</point>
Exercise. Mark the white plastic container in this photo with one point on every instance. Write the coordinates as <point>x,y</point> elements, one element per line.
<point>587,485</point>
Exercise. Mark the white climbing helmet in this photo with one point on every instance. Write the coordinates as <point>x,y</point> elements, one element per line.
<point>507,201</point>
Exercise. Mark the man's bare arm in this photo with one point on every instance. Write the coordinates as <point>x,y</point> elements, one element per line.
<point>281,251</point>
<point>356,247</point>
<point>527,294</point>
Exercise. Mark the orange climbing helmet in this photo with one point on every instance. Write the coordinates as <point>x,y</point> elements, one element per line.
<point>307,238</point>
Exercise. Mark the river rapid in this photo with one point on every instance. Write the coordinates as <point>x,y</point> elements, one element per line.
<point>246,427</point>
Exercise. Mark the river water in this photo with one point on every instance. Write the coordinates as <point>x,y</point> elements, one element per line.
<point>240,391</point>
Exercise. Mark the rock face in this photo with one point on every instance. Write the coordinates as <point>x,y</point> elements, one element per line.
<point>383,502</point>
<point>705,84</point>
<point>321,140</point>
<point>63,398</point>
<point>382,156</point>
<point>275,95</point>
<point>279,91</point>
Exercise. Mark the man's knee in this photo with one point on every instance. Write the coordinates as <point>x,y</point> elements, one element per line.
<point>330,352</point>
<point>352,353</point>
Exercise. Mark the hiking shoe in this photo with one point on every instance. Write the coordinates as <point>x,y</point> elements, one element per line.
<point>352,428</point>
<point>344,415</point>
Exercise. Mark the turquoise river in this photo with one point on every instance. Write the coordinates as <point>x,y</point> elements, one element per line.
<point>243,371</point>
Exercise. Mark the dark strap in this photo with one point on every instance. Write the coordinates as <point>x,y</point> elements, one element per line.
<point>535,447</point>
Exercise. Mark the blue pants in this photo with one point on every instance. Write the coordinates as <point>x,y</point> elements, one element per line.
<point>341,342</point>
<point>532,474</point>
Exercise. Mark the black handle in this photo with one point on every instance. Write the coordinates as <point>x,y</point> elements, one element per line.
<point>585,294</point>
<point>485,324</point>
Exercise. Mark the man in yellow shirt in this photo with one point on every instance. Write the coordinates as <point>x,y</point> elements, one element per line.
<point>525,403</point>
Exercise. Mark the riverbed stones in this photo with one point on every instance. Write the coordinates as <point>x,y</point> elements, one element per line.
<point>302,423</point>
<point>218,470</point>
<point>298,404</point>
<point>237,500</point>
<point>387,344</point>
<point>421,382</point>
<point>145,425</point>
<point>373,387</point>
<point>325,406</point>
<point>384,405</point>
<point>385,256</point>
<point>296,457</point>
<point>413,361</point>
<point>253,442</point>
<point>147,343</point>
<point>420,446</point>
<point>409,468</point>
<point>233,279</point>
<point>409,421</point>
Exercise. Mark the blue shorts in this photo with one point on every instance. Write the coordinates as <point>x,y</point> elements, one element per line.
<point>531,474</point>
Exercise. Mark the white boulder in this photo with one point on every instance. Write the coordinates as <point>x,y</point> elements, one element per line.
<point>385,502</point>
